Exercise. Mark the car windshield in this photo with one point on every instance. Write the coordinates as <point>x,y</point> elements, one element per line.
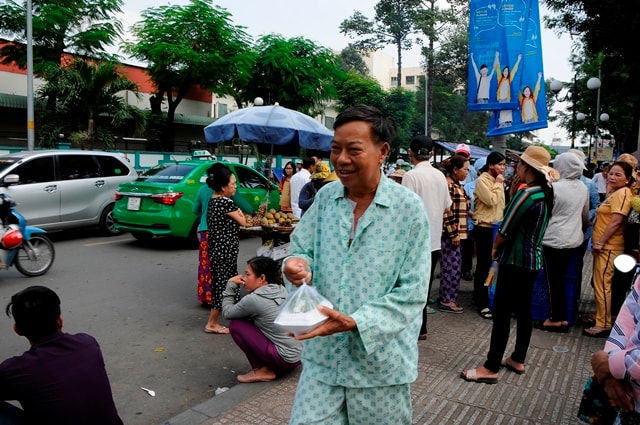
<point>166,173</point>
<point>7,162</point>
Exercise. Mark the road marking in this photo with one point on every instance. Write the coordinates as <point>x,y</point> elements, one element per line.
<point>105,243</point>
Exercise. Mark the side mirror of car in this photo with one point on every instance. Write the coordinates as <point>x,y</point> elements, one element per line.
<point>10,179</point>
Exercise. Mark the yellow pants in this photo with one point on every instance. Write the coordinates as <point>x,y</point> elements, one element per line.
<point>602,275</point>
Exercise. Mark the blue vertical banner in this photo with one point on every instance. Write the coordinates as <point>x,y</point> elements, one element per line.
<point>505,65</point>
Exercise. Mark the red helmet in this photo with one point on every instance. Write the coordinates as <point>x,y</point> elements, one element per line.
<point>12,239</point>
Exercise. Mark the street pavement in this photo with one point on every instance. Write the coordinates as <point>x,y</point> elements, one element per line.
<point>548,392</point>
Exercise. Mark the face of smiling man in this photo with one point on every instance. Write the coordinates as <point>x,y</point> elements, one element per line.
<point>357,157</point>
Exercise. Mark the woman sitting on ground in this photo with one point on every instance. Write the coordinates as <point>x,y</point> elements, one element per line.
<point>269,349</point>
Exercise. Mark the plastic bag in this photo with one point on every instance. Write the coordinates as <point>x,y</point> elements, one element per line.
<point>299,313</point>
<point>492,276</point>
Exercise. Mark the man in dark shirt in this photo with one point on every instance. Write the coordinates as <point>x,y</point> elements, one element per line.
<point>61,379</point>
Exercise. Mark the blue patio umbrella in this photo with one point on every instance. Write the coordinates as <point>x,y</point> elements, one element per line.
<point>274,125</point>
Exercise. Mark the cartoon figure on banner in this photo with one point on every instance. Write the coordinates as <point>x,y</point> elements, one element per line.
<point>483,81</point>
<point>507,75</point>
<point>528,100</point>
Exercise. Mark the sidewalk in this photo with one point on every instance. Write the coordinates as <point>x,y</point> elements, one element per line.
<point>548,393</point>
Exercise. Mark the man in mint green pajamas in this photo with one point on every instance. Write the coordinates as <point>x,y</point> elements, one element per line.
<point>364,244</point>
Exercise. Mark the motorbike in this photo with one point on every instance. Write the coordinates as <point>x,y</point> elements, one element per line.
<point>26,247</point>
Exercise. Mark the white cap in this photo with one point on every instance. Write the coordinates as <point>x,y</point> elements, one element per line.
<point>463,148</point>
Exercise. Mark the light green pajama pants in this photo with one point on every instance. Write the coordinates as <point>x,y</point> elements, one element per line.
<point>318,403</point>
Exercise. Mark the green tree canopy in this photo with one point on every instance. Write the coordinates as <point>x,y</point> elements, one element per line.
<point>597,28</point>
<point>186,46</point>
<point>82,27</point>
<point>88,90</point>
<point>350,60</point>
<point>355,89</point>
<point>295,72</point>
<point>393,24</point>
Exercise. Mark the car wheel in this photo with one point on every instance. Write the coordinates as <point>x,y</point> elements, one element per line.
<point>192,239</point>
<point>142,236</point>
<point>107,226</point>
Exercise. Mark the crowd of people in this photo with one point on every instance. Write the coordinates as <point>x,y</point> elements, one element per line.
<point>522,213</point>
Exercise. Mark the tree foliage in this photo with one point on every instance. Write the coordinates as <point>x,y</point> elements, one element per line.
<point>186,46</point>
<point>295,72</point>
<point>606,36</point>
<point>87,91</point>
<point>351,61</point>
<point>82,27</point>
<point>355,89</point>
<point>393,24</point>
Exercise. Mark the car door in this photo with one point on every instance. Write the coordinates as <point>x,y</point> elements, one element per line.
<point>83,190</point>
<point>37,194</point>
<point>253,186</point>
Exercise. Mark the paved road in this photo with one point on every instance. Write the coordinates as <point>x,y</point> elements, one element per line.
<point>138,300</point>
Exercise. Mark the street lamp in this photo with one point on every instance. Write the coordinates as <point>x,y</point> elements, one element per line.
<point>594,83</point>
<point>556,86</point>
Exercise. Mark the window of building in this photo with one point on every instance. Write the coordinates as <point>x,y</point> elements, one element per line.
<point>328,121</point>
<point>411,80</point>
<point>394,81</point>
<point>222,109</point>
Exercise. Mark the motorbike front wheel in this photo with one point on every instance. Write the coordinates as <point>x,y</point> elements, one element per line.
<point>35,256</point>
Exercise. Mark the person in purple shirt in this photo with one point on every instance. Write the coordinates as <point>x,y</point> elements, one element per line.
<point>62,378</point>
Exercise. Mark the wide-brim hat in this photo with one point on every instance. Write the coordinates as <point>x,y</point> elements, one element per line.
<point>398,173</point>
<point>538,158</point>
<point>332,177</point>
<point>321,172</point>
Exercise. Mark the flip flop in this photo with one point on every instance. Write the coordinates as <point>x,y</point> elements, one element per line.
<point>596,333</point>
<point>448,309</point>
<point>512,368</point>
<point>223,330</point>
<point>472,376</point>
<point>485,313</point>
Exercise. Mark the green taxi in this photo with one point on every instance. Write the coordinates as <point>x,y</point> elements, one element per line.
<point>160,201</point>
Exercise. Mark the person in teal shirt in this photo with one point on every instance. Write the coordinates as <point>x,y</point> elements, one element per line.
<point>364,244</point>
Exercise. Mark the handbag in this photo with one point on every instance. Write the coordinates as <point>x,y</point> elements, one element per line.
<point>595,406</point>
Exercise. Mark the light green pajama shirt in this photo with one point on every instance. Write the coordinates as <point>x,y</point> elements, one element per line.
<point>381,280</point>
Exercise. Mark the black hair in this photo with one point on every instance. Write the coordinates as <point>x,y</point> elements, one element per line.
<point>35,311</point>
<point>307,162</point>
<point>492,159</point>
<point>383,128</point>
<point>627,168</point>
<point>453,162</point>
<point>266,266</point>
<point>218,176</point>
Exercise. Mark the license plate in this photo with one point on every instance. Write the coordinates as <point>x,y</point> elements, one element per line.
<point>134,204</point>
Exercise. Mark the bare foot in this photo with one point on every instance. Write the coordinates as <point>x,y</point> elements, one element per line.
<point>263,374</point>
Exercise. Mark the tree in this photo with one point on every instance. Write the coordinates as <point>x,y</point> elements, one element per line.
<point>400,105</point>
<point>88,90</point>
<point>80,27</point>
<point>355,89</point>
<point>295,72</point>
<point>393,23</point>
<point>590,23</point>
<point>186,46</point>
<point>350,60</point>
<point>431,20</point>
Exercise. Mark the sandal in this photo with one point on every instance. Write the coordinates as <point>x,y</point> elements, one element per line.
<point>471,375</point>
<point>450,308</point>
<point>485,313</point>
<point>596,332</point>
